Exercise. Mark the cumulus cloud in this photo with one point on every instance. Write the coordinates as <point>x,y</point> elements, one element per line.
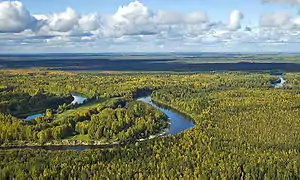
<point>236,18</point>
<point>131,19</point>
<point>170,18</point>
<point>135,12</point>
<point>68,22</point>
<point>14,17</point>
<point>296,21</point>
<point>90,22</point>
<point>136,26</point>
<point>137,19</point>
<point>275,19</point>
<point>196,17</point>
<point>63,21</point>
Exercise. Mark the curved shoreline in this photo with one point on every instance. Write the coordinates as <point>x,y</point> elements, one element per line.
<point>82,145</point>
<point>77,100</point>
<point>281,83</point>
<point>184,114</point>
<point>92,144</point>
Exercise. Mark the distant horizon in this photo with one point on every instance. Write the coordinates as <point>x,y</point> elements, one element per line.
<point>142,53</point>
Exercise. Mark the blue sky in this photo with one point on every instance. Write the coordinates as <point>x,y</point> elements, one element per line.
<point>149,25</point>
<point>218,10</point>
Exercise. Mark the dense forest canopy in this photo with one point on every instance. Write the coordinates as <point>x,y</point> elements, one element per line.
<point>245,128</point>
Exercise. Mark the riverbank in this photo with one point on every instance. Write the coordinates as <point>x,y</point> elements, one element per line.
<point>74,144</point>
<point>55,143</point>
<point>184,114</point>
<point>62,145</point>
<point>178,121</point>
<point>77,100</point>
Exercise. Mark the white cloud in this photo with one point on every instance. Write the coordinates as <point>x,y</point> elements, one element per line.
<point>64,21</point>
<point>134,12</point>
<point>236,18</point>
<point>57,40</point>
<point>275,19</point>
<point>296,21</point>
<point>171,18</point>
<point>133,19</point>
<point>196,17</point>
<point>90,22</point>
<point>168,18</point>
<point>14,17</point>
<point>136,26</point>
<point>137,19</point>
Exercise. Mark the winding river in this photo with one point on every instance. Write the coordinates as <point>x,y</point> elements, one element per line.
<point>77,100</point>
<point>178,123</point>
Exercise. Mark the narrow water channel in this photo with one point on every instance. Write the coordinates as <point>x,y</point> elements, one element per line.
<point>178,124</point>
<point>281,83</point>
<point>178,121</point>
<point>77,100</point>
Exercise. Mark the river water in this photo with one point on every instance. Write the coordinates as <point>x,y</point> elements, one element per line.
<point>178,121</point>
<point>77,100</point>
<point>281,83</point>
<point>32,117</point>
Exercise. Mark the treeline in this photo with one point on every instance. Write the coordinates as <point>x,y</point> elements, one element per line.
<point>119,85</point>
<point>22,104</point>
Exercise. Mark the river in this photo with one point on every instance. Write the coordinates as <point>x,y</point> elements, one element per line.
<point>281,83</point>
<point>77,100</point>
<point>178,123</point>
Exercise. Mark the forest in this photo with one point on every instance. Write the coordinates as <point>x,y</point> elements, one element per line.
<point>244,127</point>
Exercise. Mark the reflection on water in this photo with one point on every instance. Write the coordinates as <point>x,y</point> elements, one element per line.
<point>281,83</point>
<point>179,122</point>
<point>77,100</point>
<point>32,117</point>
